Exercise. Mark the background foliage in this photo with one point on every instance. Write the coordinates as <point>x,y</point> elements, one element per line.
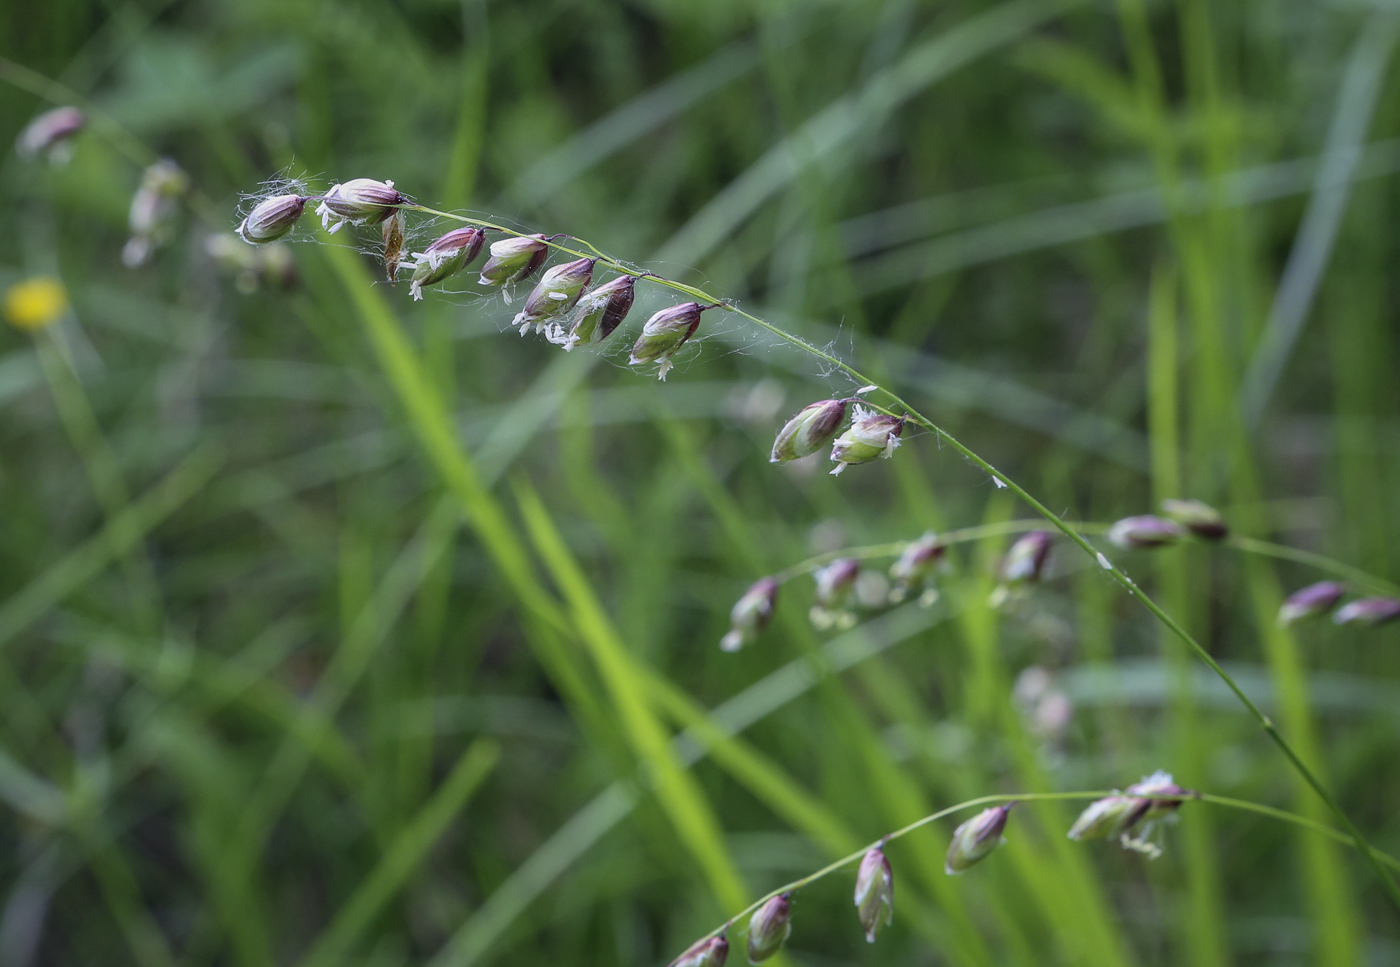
<point>340,628</point>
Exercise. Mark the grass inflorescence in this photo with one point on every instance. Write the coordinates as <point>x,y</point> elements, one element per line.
<point>335,627</point>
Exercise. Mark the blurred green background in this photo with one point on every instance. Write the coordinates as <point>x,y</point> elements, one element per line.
<point>340,628</point>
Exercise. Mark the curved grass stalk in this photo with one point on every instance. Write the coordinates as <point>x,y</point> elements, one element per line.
<point>1229,803</point>
<point>894,401</point>
<point>1346,572</point>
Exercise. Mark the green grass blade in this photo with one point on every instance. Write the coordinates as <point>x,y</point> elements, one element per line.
<point>678,793</point>
<point>118,537</point>
<point>852,116</point>
<point>404,855</point>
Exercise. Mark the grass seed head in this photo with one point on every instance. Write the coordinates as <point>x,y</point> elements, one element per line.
<point>836,586</point>
<point>664,334</point>
<point>51,135</point>
<point>1368,612</point>
<point>836,581</point>
<point>874,896</point>
<point>599,312</point>
<point>977,837</point>
<point>871,436</point>
<point>272,218</point>
<point>769,928</point>
<point>810,430</point>
<point>556,293</point>
<point>151,217</point>
<point>513,260</point>
<point>1108,817</point>
<point>1025,561</point>
<point>1158,784</point>
<point>445,257</point>
<point>1144,531</point>
<point>751,614</point>
<point>710,952</point>
<point>1310,602</point>
<point>360,201</point>
<point>1198,517</point>
<point>918,559</point>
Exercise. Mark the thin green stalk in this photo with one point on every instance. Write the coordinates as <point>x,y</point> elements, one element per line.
<point>1296,819</point>
<point>1242,804</point>
<point>1355,575</point>
<point>121,534</point>
<point>404,855</point>
<point>677,790</point>
<point>1200,921</point>
<point>103,471</point>
<point>122,893</point>
<point>1003,481</point>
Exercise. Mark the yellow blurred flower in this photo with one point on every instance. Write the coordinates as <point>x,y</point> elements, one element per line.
<point>35,303</point>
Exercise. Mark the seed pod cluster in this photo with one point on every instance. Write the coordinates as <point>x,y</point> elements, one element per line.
<point>871,435</point>
<point>840,583</point>
<point>564,305</point>
<point>555,294</point>
<point>1183,518</point>
<point>598,313</point>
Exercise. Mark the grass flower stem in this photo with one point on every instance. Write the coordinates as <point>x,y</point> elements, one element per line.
<point>1225,801</point>
<point>914,416</point>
